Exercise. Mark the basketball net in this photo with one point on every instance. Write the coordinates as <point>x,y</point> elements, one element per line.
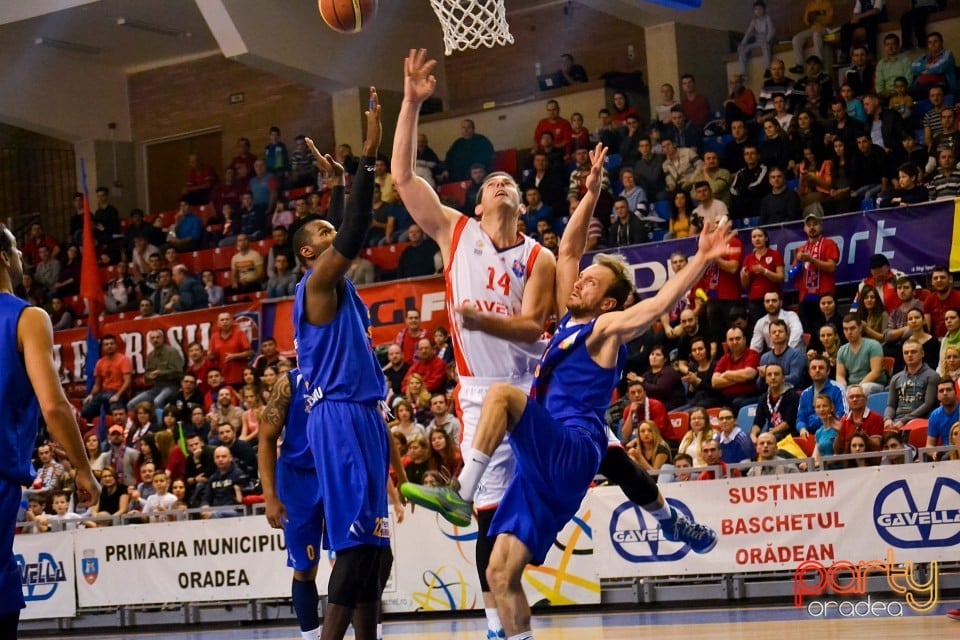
<point>468,24</point>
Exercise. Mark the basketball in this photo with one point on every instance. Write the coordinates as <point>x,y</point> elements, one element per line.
<point>347,16</point>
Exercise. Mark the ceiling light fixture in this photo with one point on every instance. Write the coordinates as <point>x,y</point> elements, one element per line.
<point>159,29</point>
<point>63,45</point>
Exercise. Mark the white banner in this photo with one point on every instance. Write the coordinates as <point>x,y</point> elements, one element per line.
<point>195,561</point>
<point>435,568</point>
<point>781,522</point>
<point>46,568</point>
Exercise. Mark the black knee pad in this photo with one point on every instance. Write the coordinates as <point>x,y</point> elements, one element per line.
<point>484,545</point>
<point>635,483</point>
<point>355,577</point>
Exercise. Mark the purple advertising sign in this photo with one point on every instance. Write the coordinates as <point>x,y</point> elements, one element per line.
<point>914,239</point>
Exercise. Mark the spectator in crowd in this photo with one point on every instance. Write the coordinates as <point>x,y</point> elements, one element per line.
<point>661,381</point>
<point>421,257</point>
<point>762,274</point>
<point>916,331</point>
<point>431,369</point>
<point>662,111</point>
<point>31,291</point>
<point>950,341</point>
<point>264,187</point>
<point>243,157</point>
<point>119,457</point>
<point>199,183</point>
<point>649,170</point>
<point>406,422</point>
<point>777,408</point>
<point>900,101</point>
<point>224,194</point>
<point>697,373</point>
<point>62,515</point>
<point>683,221</point>
<point>106,218</point>
<point>164,295</point>
<point>696,107</point>
<point>303,172</point>
<point>767,452</point>
<point>213,290</point>
<point>773,306</point>
<point>735,375</point>
<point>867,169</point>
<point>721,286</point>
<point>909,190</point>
<point>807,419</point>
<point>190,292</point>
<point>626,228</point>
<point>942,298</point>
<point>716,176</point>
<point>679,166</point>
<point>735,445</point>
<point>891,66</point>
<point>242,453</point>
<point>250,422</point>
<point>199,466</point>
<point>897,324</point>
<point>843,128</point>
<point>46,270</point>
<point>187,229</point>
<point>36,238</point>
<point>630,139</point>
<point>884,280</point>
<point>750,184</point>
<point>945,184</point>
<point>622,110</point>
<point>61,317</point>
<point>913,391</point>
<point>872,315</point>
<point>163,370</point>
<point>224,486</point>
<point>428,164</point>
<point>246,267</point>
<point>885,125</point>
<point>550,181</point>
<point>858,418</point>
<point>640,408</point>
<point>868,14</point>
<point>683,134</point>
<point>113,499</point>
<point>161,500</point>
<point>649,450</point>
<point>860,75</point>
<point>113,375</point>
<point>224,411</point>
<point>230,349</point>
<point>711,458</point>
<point>120,291</point>
<point>555,125</point>
<point>936,67</point>
<point>410,335</point>
<point>49,472</point>
<point>817,16</point>
<point>187,398</point>
<point>860,361</point>
<point>741,103</point>
<point>945,416</point>
<point>570,72</point>
<point>710,209</point>
<point>469,149</point>
<point>419,459</point>
<point>815,267</point>
<point>608,133</point>
<point>283,282</point>
<point>827,435</point>
<point>933,119</point>
<point>446,453</point>
<point>578,181</point>
<point>791,360</point>
<point>442,418</point>
<point>396,369</point>
<point>696,437</point>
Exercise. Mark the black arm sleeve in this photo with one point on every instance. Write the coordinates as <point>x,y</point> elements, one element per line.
<point>335,210</point>
<point>358,212</point>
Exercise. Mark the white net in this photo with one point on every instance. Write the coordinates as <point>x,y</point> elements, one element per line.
<point>468,24</point>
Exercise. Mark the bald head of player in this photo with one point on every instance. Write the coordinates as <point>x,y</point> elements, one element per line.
<point>499,194</point>
<point>312,239</point>
<point>603,286</point>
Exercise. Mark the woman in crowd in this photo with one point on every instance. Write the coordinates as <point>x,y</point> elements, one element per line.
<point>699,432</point>
<point>199,423</point>
<point>580,135</point>
<point>114,499</point>
<point>661,381</point>
<point>91,444</point>
<point>827,433</point>
<point>418,397</point>
<point>816,178</point>
<point>142,424</point>
<point>859,443</point>
<point>179,490</point>
<point>954,441</point>
<point>667,102</point>
<point>441,340</point>
<point>250,423</point>
<point>401,441</point>
<point>840,190</point>
<point>829,340</point>
<point>447,454</point>
<point>418,460</point>
<point>872,314</point>
<point>683,222</point>
<point>698,374</point>
<point>899,452</point>
<point>149,452</point>
<point>917,331</point>
<point>761,273</point>
<point>908,189</point>
<point>950,363</point>
<point>951,319</point>
<point>405,423</point>
<point>775,149</point>
<point>855,108</point>
<point>267,380</point>
<point>807,133</point>
<point>68,283</point>
<point>250,378</point>
<point>648,449</point>
<point>214,291</point>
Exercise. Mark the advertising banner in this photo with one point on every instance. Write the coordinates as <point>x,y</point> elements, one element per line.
<point>191,561</point>
<point>774,523</point>
<point>388,303</point>
<point>180,329</point>
<point>46,574</point>
<point>914,239</point>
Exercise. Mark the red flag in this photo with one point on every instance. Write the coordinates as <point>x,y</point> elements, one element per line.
<point>90,287</point>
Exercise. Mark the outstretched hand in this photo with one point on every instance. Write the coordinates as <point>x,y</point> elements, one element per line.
<point>715,238</point>
<point>325,162</point>
<point>419,81</point>
<point>374,130</point>
<point>597,155</point>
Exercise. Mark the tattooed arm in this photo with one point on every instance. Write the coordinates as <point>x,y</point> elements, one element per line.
<point>271,424</point>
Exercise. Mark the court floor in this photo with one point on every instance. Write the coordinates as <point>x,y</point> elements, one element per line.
<point>754,623</point>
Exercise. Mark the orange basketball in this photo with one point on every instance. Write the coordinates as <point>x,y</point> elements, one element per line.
<point>347,16</point>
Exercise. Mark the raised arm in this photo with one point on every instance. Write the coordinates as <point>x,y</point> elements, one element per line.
<point>331,265</point>
<point>436,220</point>
<point>35,337</point>
<point>574,240</point>
<point>272,419</point>
<point>629,324</point>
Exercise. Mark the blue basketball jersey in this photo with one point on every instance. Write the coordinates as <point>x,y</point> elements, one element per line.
<point>570,385</point>
<point>20,411</point>
<point>337,360</point>
<point>294,449</point>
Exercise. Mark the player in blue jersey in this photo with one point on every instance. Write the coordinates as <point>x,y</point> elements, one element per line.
<point>344,385</point>
<point>31,389</point>
<point>292,497</point>
<point>558,433</point>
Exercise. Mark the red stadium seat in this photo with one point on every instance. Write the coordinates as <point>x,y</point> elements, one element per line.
<point>454,192</point>
<point>295,194</point>
<point>386,258</point>
<point>714,413</point>
<point>918,437</point>
<point>679,425</point>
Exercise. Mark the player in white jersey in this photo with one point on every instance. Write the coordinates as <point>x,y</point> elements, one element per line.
<point>500,292</point>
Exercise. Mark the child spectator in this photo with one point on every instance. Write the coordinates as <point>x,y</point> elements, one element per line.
<point>161,500</point>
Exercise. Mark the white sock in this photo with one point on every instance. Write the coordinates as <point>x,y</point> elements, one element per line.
<point>310,635</point>
<point>663,513</point>
<point>379,631</point>
<point>523,635</point>
<point>493,619</point>
<point>474,464</point>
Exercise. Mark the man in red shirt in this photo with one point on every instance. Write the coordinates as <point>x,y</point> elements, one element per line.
<point>432,369</point>
<point>695,106</point>
<point>410,335</point>
<point>554,124</point>
<point>884,280</point>
<point>642,408</point>
<point>199,182</point>
<point>735,375</point>
<point>943,298</point>
<point>859,418</point>
<point>230,349</point>
<point>113,376</point>
<point>814,269</point>
<point>721,284</point>
<point>36,239</point>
